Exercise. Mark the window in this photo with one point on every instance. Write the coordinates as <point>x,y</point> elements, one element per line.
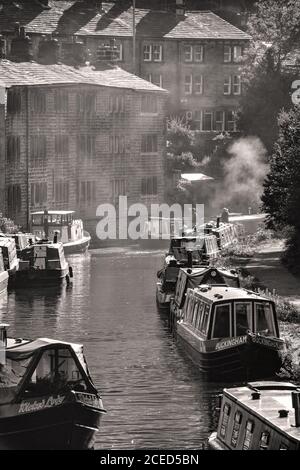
<point>61,101</point>
<point>86,146</point>
<point>62,191</point>
<point>236,428</point>
<point>236,85</point>
<point>116,144</point>
<point>86,103</point>
<point>38,149</point>
<point>157,52</point>
<point>116,104</point>
<point>225,420</point>
<point>219,121</point>
<point>38,192</point>
<point>237,53</point>
<point>149,143</point>
<point>149,186</point>
<point>155,78</point>
<point>86,192</point>
<point>14,202</point>
<point>38,102</point>
<point>264,440</point>
<point>12,374</point>
<point>221,326</point>
<point>230,121</point>
<point>243,313</point>
<point>198,84</point>
<point>118,52</point>
<point>248,435</point>
<point>188,84</point>
<point>149,104</point>
<point>198,120</point>
<point>207,124</point>
<point>227,54</point>
<point>193,53</point>
<point>13,102</point>
<point>61,145</point>
<point>264,319</point>
<point>227,85</point>
<point>205,318</point>
<point>147,53</point>
<point>118,187</point>
<point>13,149</point>
<point>188,53</point>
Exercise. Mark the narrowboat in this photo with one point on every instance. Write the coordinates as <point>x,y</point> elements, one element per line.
<point>22,240</point>
<point>230,332</point>
<point>157,232</point>
<point>3,277</point>
<point>190,278</point>
<point>9,256</point>
<point>259,416</point>
<point>69,231</point>
<point>42,263</point>
<point>47,397</point>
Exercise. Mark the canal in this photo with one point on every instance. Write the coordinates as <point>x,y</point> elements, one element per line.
<point>154,396</point>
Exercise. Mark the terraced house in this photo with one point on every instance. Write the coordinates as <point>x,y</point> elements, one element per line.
<point>74,138</point>
<point>193,54</point>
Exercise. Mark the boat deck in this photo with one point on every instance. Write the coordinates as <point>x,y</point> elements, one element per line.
<point>267,407</point>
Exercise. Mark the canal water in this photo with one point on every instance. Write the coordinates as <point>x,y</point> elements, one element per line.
<point>154,395</point>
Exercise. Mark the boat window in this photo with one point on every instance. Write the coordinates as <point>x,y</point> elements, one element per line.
<point>37,220</point>
<point>264,319</point>
<point>248,435</point>
<point>190,310</point>
<point>200,315</point>
<point>56,219</point>
<point>283,446</point>
<point>11,374</point>
<point>225,419</point>
<point>56,372</point>
<point>236,428</point>
<point>194,317</point>
<point>264,440</point>
<point>221,328</point>
<point>243,313</point>
<point>205,317</point>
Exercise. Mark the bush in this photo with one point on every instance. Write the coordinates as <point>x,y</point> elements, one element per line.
<point>289,369</point>
<point>8,225</point>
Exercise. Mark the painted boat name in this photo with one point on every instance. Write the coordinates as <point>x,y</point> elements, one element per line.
<point>231,342</point>
<point>36,405</point>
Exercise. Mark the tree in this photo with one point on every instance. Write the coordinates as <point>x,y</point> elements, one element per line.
<point>281,196</point>
<point>275,32</point>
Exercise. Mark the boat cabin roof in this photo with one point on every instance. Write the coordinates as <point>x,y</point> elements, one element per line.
<point>6,241</point>
<point>213,294</point>
<point>274,396</point>
<point>19,347</point>
<point>199,271</point>
<point>52,212</point>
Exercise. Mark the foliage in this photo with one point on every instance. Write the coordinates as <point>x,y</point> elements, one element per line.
<point>275,31</point>
<point>7,225</point>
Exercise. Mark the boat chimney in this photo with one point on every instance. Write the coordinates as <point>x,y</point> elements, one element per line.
<point>46,223</point>
<point>218,221</point>
<point>189,258</point>
<point>296,405</point>
<point>3,342</point>
<point>55,238</point>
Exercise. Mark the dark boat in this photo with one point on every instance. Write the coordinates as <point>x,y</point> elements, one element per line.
<point>230,332</point>
<point>47,397</point>
<point>69,231</point>
<point>22,240</point>
<point>259,416</point>
<point>42,263</point>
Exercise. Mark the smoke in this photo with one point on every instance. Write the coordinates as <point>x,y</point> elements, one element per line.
<point>244,173</point>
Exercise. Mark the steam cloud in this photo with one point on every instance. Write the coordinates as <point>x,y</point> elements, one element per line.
<point>244,173</point>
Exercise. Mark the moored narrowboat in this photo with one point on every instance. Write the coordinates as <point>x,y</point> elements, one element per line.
<point>259,416</point>
<point>42,263</point>
<point>230,332</point>
<point>3,276</point>
<point>9,256</point>
<point>47,397</point>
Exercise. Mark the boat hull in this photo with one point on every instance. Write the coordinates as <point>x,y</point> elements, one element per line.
<point>3,281</point>
<point>242,361</point>
<point>71,426</point>
<point>78,246</point>
<point>40,277</point>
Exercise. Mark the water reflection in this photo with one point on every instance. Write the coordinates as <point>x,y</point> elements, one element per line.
<point>154,395</point>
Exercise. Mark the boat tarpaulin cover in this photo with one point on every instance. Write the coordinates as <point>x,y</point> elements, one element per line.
<point>25,350</point>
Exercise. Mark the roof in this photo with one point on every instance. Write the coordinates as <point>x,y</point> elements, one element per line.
<point>272,399</point>
<point>76,17</point>
<point>195,272</point>
<point>224,293</point>
<point>52,212</point>
<point>34,74</point>
<point>26,348</point>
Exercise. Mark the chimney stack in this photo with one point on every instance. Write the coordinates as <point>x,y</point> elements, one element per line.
<point>180,8</point>
<point>48,52</point>
<point>20,45</point>
<point>2,47</point>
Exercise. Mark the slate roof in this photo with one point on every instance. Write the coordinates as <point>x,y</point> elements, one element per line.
<point>76,17</point>
<point>32,73</point>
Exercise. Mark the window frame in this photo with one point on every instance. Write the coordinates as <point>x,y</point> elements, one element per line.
<point>197,83</point>
<point>188,86</point>
<point>236,86</point>
<point>227,83</point>
<point>214,320</point>
<point>156,146</point>
<point>149,53</point>
<point>235,303</point>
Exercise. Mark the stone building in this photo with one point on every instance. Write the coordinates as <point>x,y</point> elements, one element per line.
<point>78,137</point>
<point>195,55</point>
